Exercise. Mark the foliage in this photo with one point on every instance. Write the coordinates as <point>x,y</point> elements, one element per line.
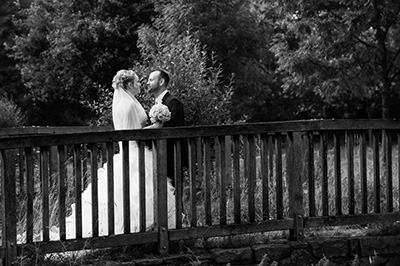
<point>102,108</point>
<point>10,114</point>
<point>194,79</point>
<point>237,34</point>
<point>196,85</point>
<point>341,50</point>
<point>289,59</point>
<point>10,78</point>
<point>69,50</point>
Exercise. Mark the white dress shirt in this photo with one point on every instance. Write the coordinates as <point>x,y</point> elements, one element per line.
<point>161,96</point>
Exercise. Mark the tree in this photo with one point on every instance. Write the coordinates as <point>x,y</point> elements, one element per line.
<point>237,34</point>
<point>344,51</point>
<point>11,86</point>
<point>195,75</point>
<point>70,50</point>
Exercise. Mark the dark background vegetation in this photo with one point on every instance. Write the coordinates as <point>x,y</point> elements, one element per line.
<point>230,61</point>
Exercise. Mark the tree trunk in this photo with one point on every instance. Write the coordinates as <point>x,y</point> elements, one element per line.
<point>382,59</point>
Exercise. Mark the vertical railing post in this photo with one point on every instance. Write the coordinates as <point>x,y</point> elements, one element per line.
<point>222,179</point>
<point>160,194</point>
<point>376,169</point>
<point>311,174</point>
<point>192,181</point>
<point>279,176</point>
<point>8,200</point>
<point>21,162</point>
<point>324,172</point>
<point>295,183</point>
<point>389,174</point>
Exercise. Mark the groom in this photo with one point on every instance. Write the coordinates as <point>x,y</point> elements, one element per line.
<point>158,83</point>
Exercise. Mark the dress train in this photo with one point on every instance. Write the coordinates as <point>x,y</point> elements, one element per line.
<point>118,198</point>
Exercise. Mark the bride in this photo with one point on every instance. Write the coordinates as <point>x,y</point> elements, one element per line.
<point>127,113</point>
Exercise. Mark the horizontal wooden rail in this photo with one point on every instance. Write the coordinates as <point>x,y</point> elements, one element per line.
<point>245,128</point>
<point>231,229</point>
<point>359,219</point>
<point>108,135</point>
<point>21,131</point>
<point>87,243</point>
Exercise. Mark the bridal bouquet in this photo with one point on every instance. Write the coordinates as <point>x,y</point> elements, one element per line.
<point>159,113</point>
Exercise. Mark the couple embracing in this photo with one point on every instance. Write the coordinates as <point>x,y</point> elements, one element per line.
<point>128,113</point>
<point>124,106</point>
<point>157,86</point>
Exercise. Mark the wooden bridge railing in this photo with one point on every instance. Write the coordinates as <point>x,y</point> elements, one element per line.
<point>240,179</point>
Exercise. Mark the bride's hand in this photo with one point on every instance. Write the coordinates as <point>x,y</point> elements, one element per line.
<point>155,125</point>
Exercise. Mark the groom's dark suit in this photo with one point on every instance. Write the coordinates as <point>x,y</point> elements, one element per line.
<point>176,109</point>
<point>177,119</point>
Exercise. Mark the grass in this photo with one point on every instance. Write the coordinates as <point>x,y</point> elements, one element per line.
<point>384,229</point>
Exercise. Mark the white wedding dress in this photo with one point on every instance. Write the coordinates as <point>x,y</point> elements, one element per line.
<point>128,113</point>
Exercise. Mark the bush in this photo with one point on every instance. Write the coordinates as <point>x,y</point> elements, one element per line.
<point>10,114</point>
<point>195,79</point>
<point>195,76</point>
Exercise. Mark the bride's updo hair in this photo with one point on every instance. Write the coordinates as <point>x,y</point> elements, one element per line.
<point>123,77</point>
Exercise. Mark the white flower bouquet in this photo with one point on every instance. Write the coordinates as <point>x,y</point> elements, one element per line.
<point>159,113</point>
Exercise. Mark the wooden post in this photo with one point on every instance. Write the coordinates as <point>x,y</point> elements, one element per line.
<point>350,170</point>
<point>363,173</point>
<point>30,194</point>
<point>228,165</point>
<point>21,162</point>
<point>295,182</point>
<point>251,175</point>
<point>178,183</point>
<point>264,176</point>
<point>142,187</point>
<point>192,181</point>
<point>376,167</point>
<point>110,181</point>
<point>45,177</point>
<point>338,179</point>
<point>62,190</point>
<point>236,179</point>
<point>53,161</point>
<point>324,170</point>
<point>389,175</point>
<point>126,191</point>
<point>95,190</point>
<point>279,176</point>
<point>78,190</point>
<point>310,173</point>
<point>160,194</point>
<point>222,180</point>
<point>207,179</point>
<point>8,198</point>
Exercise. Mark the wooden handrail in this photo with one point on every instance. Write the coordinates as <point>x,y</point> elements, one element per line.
<point>294,125</point>
<point>92,135</point>
<point>20,131</point>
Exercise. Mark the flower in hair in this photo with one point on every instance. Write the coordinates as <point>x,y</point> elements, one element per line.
<point>124,76</point>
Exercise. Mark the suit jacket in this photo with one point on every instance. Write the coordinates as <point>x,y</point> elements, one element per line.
<point>176,109</point>
<point>177,119</point>
<point>177,113</point>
